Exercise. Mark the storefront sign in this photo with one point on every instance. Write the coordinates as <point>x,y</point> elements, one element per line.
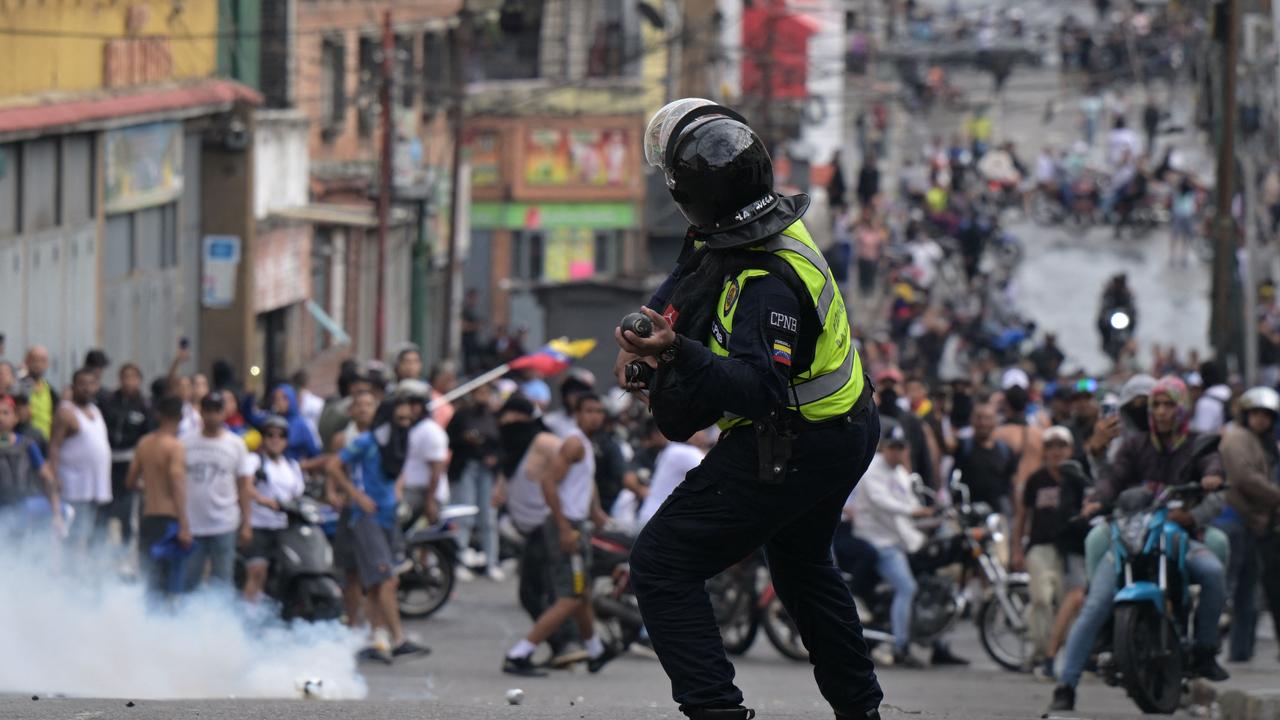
<point>576,158</point>
<point>143,166</point>
<point>281,268</point>
<point>484,149</point>
<point>530,216</point>
<point>220,260</point>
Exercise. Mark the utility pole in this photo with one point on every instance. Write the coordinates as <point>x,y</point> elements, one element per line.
<point>384,182</point>
<point>457,114</point>
<point>1249,325</point>
<point>1221,323</point>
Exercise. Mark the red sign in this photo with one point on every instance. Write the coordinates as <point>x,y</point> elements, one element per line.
<point>776,38</point>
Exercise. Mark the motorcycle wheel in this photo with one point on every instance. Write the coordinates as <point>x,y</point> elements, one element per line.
<point>782,631</point>
<point>1152,676</point>
<point>427,586</point>
<point>314,599</point>
<point>733,602</point>
<point>1009,648</point>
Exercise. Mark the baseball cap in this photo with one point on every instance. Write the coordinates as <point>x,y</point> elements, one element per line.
<point>1015,377</point>
<point>1058,434</point>
<point>891,433</point>
<point>212,401</point>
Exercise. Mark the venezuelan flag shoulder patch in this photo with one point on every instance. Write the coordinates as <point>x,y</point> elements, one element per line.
<point>781,352</point>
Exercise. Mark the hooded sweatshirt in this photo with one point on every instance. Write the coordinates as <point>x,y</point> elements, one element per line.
<point>304,444</point>
<point>1154,461</point>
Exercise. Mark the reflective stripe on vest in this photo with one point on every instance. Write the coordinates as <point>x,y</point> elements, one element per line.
<point>834,381</point>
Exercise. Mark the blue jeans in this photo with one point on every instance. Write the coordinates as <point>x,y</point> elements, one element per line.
<point>219,551</point>
<point>1242,575</point>
<point>893,566</point>
<point>474,488</point>
<point>81,533</point>
<point>1205,570</point>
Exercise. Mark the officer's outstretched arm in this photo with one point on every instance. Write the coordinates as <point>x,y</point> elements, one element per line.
<point>754,378</point>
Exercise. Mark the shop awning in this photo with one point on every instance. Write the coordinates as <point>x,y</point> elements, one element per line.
<point>63,112</point>
<point>363,216</point>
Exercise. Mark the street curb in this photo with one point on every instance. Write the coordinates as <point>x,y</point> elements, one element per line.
<point>1250,705</point>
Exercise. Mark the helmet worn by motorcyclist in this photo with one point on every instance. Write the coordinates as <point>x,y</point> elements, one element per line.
<point>1260,407</point>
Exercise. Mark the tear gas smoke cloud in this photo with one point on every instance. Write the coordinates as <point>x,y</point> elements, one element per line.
<point>92,634</point>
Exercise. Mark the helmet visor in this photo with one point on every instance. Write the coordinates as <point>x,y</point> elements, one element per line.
<point>658,133</point>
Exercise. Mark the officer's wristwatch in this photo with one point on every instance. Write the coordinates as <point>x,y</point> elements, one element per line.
<point>670,353</point>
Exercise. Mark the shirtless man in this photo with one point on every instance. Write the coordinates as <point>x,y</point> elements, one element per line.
<point>1024,439</point>
<point>160,463</point>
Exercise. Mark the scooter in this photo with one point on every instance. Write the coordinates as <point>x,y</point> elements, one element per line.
<point>1154,609</point>
<point>301,572</point>
<point>433,550</point>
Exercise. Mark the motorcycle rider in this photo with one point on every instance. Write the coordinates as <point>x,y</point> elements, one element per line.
<point>1116,297</point>
<point>276,479</point>
<point>1249,453</point>
<point>1154,459</point>
<point>884,507</point>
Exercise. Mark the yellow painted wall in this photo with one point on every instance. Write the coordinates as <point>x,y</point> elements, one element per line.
<point>61,61</point>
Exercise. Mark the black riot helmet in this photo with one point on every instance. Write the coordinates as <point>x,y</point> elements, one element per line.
<point>716,167</point>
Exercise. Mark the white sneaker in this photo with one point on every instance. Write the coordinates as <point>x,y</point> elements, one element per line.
<point>463,574</point>
<point>495,574</point>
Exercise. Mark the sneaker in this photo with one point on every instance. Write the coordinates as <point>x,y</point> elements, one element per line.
<point>882,655</point>
<point>1044,671</point>
<point>462,574</point>
<point>904,659</point>
<point>374,654</point>
<point>572,653</point>
<point>522,666</point>
<point>409,648</point>
<point>944,656</point>
<point>495,574</point>
<point>1064,698</point>
<point>597,663</point>
<point>1205,665</point>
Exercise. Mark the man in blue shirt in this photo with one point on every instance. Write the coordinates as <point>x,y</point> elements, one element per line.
<point>379,456</point>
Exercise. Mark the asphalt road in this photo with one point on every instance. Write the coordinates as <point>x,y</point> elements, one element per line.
<point>461,680</point>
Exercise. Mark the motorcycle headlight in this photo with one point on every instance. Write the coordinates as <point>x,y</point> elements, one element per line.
<point>1119,320</point>
<point>1134,532</point>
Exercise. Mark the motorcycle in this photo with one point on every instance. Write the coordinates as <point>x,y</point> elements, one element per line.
<point>743,600</point>
<point>1154,608</point>
<point>433,550</point>
<point>612,597</point>
<point>300,575</point>
<point>1116,326</point>
<point>967,536</point>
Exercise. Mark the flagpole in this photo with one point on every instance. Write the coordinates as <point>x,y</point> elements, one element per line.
<point>470,385</point>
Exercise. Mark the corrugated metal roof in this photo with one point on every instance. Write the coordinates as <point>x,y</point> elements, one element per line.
<point>45,114</point>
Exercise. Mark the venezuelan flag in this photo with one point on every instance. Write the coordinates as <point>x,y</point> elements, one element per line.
<point>554,357</point>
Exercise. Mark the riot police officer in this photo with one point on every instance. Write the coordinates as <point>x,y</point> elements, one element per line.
<point>750,333</point>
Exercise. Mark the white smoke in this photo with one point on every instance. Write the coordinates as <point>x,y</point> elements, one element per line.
<point>94,635</point>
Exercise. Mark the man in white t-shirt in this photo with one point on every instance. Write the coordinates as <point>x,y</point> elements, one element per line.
<point>674,461</point>
<point>276,479</point>
<point>423,479</point>
<point>217,495</point>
